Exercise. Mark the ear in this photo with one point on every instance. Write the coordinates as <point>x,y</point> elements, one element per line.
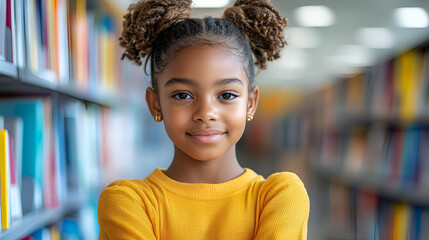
<point>152,100</point>
<point>252,103</point>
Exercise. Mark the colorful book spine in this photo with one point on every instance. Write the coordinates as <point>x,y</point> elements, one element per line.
<point>4,179</point>
<point>2,30</point>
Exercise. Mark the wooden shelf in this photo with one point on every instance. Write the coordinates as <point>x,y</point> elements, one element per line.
<point>382,188</point>
<point>36,220</point>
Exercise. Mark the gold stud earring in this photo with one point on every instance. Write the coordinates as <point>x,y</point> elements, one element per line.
<point>249,118</point>
<point>158,118</point>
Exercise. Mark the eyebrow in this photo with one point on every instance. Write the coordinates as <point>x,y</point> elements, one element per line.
<point>229,81</point>
<point>186,81</point>
<point>179,81</point>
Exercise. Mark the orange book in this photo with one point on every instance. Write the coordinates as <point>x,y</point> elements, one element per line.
<point>401,217</point>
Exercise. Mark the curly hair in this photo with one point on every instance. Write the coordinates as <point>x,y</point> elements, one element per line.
<point>158,29</point>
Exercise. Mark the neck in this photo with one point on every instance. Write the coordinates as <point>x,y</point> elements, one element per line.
<point>189,170</point>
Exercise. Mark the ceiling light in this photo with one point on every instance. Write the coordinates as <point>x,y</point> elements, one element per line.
<point>355,56</point>
<point>210,3</point>
<point>293,59</point>
<point>376,37</point>
<point>299,37</point>
<point>411,17</point>
<point>314,16</point>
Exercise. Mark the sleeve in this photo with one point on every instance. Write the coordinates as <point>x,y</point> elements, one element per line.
<point>123,215</point>
<point>285,208</point>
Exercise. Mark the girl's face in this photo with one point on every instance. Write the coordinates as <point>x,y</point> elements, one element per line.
<point>204,100</point>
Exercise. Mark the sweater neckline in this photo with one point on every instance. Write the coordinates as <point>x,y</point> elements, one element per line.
<point>203,191</point>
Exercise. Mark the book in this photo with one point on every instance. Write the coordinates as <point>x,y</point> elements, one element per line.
<point>9,33</point>
<point>397,156</point>
<point>79,41</point>
<point>50,174</point>
<point>424,231</point>
<point>62,38</point>
<point>2,30</point>
<point>355,151</point>
<point>415,224</point>
<point>408,83</point>
<point>19,33</point>
<point>423,162</point>
<point>410,157</point>
<point>14,126</point>
<point>4,179</point>
<point>366,208</point>
<point>355,97</point>
<point>82,147</point>
<point>401,217</point>
<point>32,112</point>
<point>60,152</point>
<point>383,168</point>
<point>108,57</point>
<point>32,35</point>
<point>377,144</point>
<point>15,191</point>
<point>423,96</point>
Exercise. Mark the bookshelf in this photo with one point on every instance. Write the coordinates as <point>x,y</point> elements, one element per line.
<point>370,132</point>
<point>27,82</point>
<point>37,220</point>
<point>64,63</point>
<point>382,187</point>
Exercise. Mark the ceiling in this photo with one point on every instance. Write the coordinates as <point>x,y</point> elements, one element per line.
<point>313,60</point>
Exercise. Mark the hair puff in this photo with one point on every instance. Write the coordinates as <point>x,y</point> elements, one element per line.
<point>263,26</point>
<point>145,20</point>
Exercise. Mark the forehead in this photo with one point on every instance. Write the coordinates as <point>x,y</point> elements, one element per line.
<point>204,64</point>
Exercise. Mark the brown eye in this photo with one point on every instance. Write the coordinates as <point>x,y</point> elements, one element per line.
<point>227,96</point>
<point>182,96</point>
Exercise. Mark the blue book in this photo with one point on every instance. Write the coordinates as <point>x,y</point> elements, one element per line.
<point>59,128</point>
<point>416,223</point>
<point>70,229</point>
<point>410,156</point>
<point>31,110</point>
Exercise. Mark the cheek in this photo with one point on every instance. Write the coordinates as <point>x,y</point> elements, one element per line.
<point>175,118</point>
<point>236,117</point>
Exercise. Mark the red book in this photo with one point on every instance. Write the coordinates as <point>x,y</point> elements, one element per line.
<point>9,39</point>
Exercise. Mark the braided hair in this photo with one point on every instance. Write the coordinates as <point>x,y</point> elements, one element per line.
<point>158,29</point>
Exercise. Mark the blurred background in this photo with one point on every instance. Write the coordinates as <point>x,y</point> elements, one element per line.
<point>346,108</point>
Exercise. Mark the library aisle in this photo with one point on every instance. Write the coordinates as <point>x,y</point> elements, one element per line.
<point>346,108</point>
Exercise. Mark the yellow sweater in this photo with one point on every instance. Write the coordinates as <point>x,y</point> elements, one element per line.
<point>247,207</point>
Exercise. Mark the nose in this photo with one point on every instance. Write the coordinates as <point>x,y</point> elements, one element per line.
<point>205,110</point>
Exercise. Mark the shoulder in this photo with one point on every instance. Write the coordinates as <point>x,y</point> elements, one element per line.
<point>138,188</point>
<point>284,185</point>
<point>122,192</point>
<point>283,180</point>
<point>132,187</point>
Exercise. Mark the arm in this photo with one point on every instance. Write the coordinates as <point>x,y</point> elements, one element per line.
<point>122,214</point>
<point>285,208</point>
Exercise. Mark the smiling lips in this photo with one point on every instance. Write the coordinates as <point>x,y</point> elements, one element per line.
<point>206,135</point>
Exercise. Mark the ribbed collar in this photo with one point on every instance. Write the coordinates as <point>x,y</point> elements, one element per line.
<point>204,191</point>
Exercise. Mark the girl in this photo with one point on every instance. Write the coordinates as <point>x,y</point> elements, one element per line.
<point>202,73</point>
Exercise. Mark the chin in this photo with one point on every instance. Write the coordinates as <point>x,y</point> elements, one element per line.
<point>204,156</point>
